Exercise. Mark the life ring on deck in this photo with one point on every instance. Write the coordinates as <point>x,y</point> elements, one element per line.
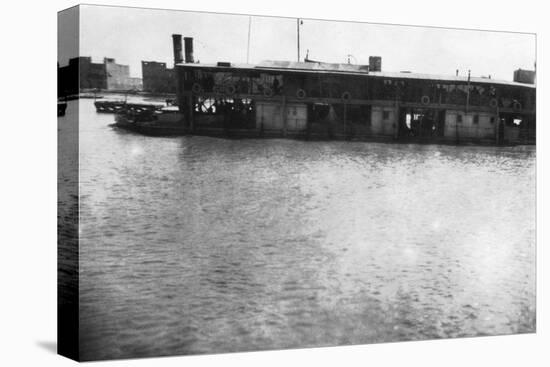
<point>196,88</point>
<point>346,96</point>
<point>425,100</point>
<point>230,90</point>
<point>268,92</point>
<point>301,94</point>
<point>516,106</point>
<point>493,103</point>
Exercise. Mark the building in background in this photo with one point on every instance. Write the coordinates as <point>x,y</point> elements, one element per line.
<point>157,78</point>
<point>118,76</point>
<point>92,75</point>
<point>83,74</point>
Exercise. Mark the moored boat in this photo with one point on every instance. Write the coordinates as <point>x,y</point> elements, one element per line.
<point>317,100</point>
<point>61,108</point>
<point>164,121</point>
<point>110,106</point>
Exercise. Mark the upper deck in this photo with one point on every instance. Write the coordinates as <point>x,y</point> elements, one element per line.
<point>347,69</point>
<point>313,82</point>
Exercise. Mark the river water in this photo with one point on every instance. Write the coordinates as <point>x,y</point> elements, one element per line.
<point>203,245</point>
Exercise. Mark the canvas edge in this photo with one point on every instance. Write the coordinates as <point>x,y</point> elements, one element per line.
<point>68,198</point>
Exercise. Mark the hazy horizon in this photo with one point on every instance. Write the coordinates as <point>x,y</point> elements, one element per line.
<point>146,36</point>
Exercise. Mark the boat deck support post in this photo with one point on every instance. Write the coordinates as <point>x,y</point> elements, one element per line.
<point>191,113</point>
<point>283,115</point>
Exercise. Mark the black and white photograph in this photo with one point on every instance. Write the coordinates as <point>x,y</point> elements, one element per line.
<point>234,182</point>
<point>275,183</point>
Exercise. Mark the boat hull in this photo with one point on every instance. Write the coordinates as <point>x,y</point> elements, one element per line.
<point>151,128</point>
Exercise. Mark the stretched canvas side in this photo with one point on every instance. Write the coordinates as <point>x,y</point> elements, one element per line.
<point>67,185</point>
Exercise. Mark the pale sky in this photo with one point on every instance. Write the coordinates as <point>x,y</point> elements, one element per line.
<point>130,35</point>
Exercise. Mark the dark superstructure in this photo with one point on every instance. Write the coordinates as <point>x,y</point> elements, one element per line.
<point>343,101</point>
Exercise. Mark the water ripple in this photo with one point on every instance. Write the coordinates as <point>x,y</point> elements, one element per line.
<point>199,245</point>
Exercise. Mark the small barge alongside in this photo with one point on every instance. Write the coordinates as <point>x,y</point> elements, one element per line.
<point>109,106</point>
<point>338,101</point>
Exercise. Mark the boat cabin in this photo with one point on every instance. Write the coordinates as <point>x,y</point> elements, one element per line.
<point>314,99</point>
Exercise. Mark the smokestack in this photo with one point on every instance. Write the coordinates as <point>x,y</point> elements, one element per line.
<point>178,57</point>
<point>375,63</point>
<point>188,50</point>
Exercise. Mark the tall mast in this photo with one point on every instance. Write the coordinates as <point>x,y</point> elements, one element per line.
<point>298,34</point>
<point>248,47</point>
<point>468,93</point>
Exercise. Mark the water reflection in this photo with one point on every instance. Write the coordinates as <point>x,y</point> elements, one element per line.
<point>199,245</point>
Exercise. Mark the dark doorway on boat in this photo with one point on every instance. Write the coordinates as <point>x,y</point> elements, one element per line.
<point>222,112</point>
<point>515,128</point>
<point>421,123</point>
<point>339,119</point>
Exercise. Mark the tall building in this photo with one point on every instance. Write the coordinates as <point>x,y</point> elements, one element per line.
<point>83,74</point>
<point>157,78</point>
